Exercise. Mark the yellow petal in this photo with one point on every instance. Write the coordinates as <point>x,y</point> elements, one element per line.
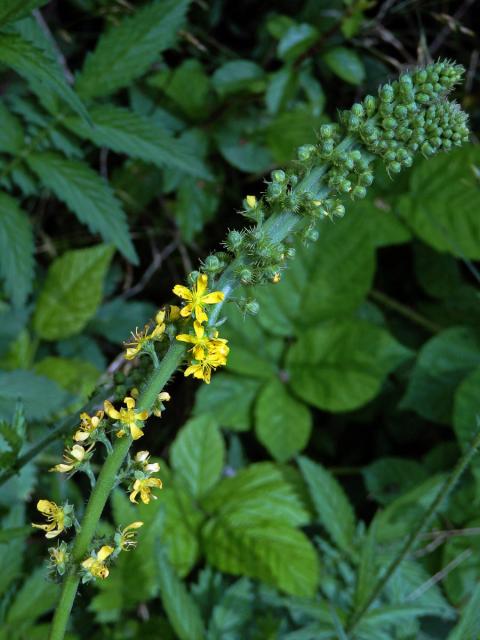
<point>155,482</point>
<point>78,452</point>
<point>53,534</point>
<point>133,495</point>
<point>81,436</point>
<point>198,352</point>
<point>251,201</point>
<point>131,353</point>
<point>200,314</point>
<point>202,283</point>
<point>191,370</point>
<point>134,525</point>
<point>141,415</point>
<point>164,396</point>
<point>182,292</point>
<point>158,331</point>
<point>46,506</point>
<point>104,552</point>
<point>199,330</point>
<point>174,312</point>
<point>43,527</point>
<point>185,337</point>
<point>130,402</point>
<point>186,310</point>
<point>110,410</point>
<point>160,317</point>
<point>120,433</point>
<point>213,298</point>
<point>62,468</point>
<point>136,432</point>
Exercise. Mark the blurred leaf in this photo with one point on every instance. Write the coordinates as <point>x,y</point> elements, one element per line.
<point>189,87</point>
<point>198,453</point>
<point>125,52</point>
<point>441,365</point>
<point>11,552</point>
<point>468,628</point>
<point>238,75</point>
<point>388,478</point>
<point>77,376</point>
<point>443,201</point>
<point>296,41</point>
<point>114,319</point>
<point>40,396</point>
<point>36,598</point>
<point>12,10</point>
<point>197,202</point>
<point>16,250</point>
<point>181,609</point>
<point>346,64</point>
<point>138,136</point>
<point>280,89</point>
<point>88,195</point>
<point>232,612</point>
<point>331,503</point>
<point>466,411</point>
<point>342,364</point>
<point>459,584</point>
<point>240,143</point>
<point>282,424</point>
<point>33,64</point>
<point>11,131</point>
<point>71,292</point>
<point>291,129</point>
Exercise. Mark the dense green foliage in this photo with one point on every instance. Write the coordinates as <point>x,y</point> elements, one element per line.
<point>130,134</point>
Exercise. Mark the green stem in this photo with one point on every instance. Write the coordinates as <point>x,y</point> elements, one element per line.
<point>105,483</point>
<point>412,538</point>
<point>405,311</point>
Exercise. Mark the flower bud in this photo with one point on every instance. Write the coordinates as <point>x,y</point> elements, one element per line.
<point>274,190</point>
<point>234,240</point>
<point>212,264</point>
<point>246,276</point>
<point>359,192</point>
<point>370,104</point>
<point>305,152</point>
<point>278,175</point>
<point>252,307</point>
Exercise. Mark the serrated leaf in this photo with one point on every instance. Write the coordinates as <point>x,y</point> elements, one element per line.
<point>71,292</point>
<point>11,131</point>
<point>77,376</point>
<point>16,250</point>
<point>35,598</point>
<point>260,550</point>
<point>88,195</point>
<point>232,612</point>
<point>12,551</point>
<point>282,423</point>
<point>138,136</point>
<point>198,453</point>
<point>342,364</point>
<point>331,503</point>
<point>125,51</point>
<point>441,365</point>
<point>468,627</point>
<point>11,10</point>
<point>258,492</point>
<point>181,608</point>
<point>33,64</point>
<point>40,396</point>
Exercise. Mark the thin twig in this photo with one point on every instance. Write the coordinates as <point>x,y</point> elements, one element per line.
<point>405,311</point>
<point>439,576</point>
<point>157,260</point>
<point>445,32</point>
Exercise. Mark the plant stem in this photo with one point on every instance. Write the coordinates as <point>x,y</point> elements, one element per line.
<point>405,311</point>
<point>412,538</point>
<point>105,483</point>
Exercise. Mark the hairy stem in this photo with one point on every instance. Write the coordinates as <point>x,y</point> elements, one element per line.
<point>412,538</point>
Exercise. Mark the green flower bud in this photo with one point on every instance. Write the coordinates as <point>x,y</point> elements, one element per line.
<point>357,110</point>
<point>252,307</point>
<point>246,276</point>
<point>389,123</point>
<point>305,152</point>
<point>339,210</point>
<point>370,104</point>
<point>293,180</point>
<point>366,179</point>
<point>212,264</point>
<point>278,176</point>
<point>327,147</point>
<point>394,167</point>
<point>311,235</point>
<point>274,190</point>
<point>359,192</point>
<point>290,253</point>
<point>193,276</point>
<point>386,93</point>
<point>234,240</point>
<point>327,131</point>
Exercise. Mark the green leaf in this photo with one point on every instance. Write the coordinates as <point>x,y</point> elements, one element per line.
<point>273,552</point>
<point>443,202</point>
<point>71,292</point>
<point>77,376</point>
<point>238,75</point>
<point>331,503</point>
<point>232,612</point>
<point>11,132</point>
<point>342,364</point>
<point>259,492</point>
<point>441,365</point>
<point>297,40</point>
<point>34,65</point>
<point>137,136</point>
<point>198,454</point>
<point>127,50</point>
<point>114,319</point>
<point>282,424</point>
<point>388,478</point>
<point>468,627</point>
<point>197,202</point>
<point>466,411</point>
<point>181,608</point>
<point>281,88</point>
<point>11,10</point>
<point>459,584</point>
<point>39,396</point>
<point>16,250</point>
<point>229,399</point>
<point>290,129</point>
<point>189,87</point>
<point>346,64</point>
<point>12,551</point>
<point>88,195</point>
<point>35,598</point>
<point>329,279</point>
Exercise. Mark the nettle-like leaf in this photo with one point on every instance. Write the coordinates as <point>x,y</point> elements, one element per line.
<point>231,613</point>
<point>125,52</point>
<point>11,10</point>
<point>40,396</point>
<point>138,136</point>
<point>11,131</point>
<point>71,292</point>
<point>342,364</point>
<point>198,454</point>
<point>468,627</point>
<point>33,64</point>
<point>88,195</point>
<point>16,250</point>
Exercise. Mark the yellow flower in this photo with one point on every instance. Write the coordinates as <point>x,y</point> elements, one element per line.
<point>203,344</point>
<point>57,518</point>
<point>144,488</point>
<point>197,298</point>
<point>59,556</point>
<point>141,338</point>
<point>142,458</point>
<point>95,565</point>
<point>203,368</point>
<point>276,278</point>
<point>73,457</point>
<point>251,201</point>
<point>158,407</point>
<point>88,426</point>
<point>126,537</point>
<point>127,417</point>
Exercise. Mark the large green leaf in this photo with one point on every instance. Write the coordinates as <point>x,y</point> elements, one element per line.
<point>443,202</point>
<point>71,292</point>
<point>33,64</point>
<point>11,10</point>
<point>282,423</point>
<point>77,376</point>
<point>16,250</point>
<point>88,195</point>
<point>331,503</point>
<point>238,75</point>
<point>125,51</point>
<point>441,365</point>
<point>259,492</point>
<point>40,396</point>
<point>342,364</point>
<point>181,608</point>
<point>232,611</point>
<point>35,598</point>
<point>468,627</point>
<point>327,279</point>
<point>138,136</point>
<point>11,131</point>
<point>346,64</point>
<point>198,453</point>
<point>466,411</point>
<point>270,551</point>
